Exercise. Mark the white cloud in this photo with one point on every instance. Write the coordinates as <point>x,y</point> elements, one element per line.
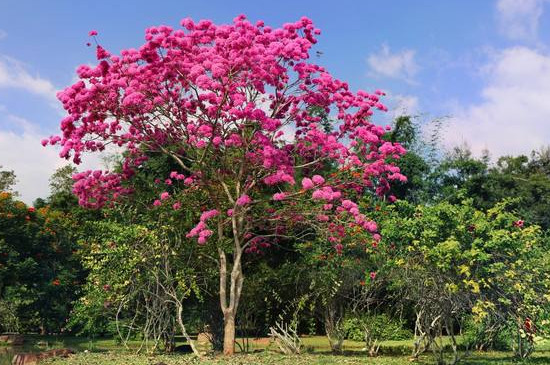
<point>514,113</point>
<point>14,75</point>
<point>33,164</point>
<point>400,65</point>
<point>519,19</point>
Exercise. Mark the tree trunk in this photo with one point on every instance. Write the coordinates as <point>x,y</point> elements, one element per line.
<point>229,334</point>
<point>184,331</point>
<point>230,301</point>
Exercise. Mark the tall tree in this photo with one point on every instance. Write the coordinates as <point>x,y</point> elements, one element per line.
<point>7,180</point>
<point>232,106</point>
<point>414,164</point>
<point>61,186</point>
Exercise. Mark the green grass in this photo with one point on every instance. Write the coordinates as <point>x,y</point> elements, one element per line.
<point>108,352</point>
<point>268,358</point>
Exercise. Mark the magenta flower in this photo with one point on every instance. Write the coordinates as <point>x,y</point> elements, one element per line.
<point>165,195</point>
<point>157,203</point>
<point>371,226</point>
<point>176,206</point>
<point>307,183</point>
<point>244,200</point>
<point>318,179</point>
<point>209,214</point>
<point>322,218</point>
<point>279,196</point>
<point>92,33</point>
<point>519,223</point>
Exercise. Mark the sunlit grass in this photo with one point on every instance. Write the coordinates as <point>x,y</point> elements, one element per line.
<point>269,358</point>
<point>317,351</point>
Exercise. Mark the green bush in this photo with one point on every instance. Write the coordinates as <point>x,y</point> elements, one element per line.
<point>380,326</point>
<point>483,336</point>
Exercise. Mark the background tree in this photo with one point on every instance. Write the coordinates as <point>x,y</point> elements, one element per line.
<point>61,186</point>
<point>39,275</point>
<point>7,180</point>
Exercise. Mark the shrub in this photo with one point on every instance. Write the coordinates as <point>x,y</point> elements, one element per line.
<point>380,327</point>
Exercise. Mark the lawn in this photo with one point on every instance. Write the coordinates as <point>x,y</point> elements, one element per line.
<point>108,352</point>
<point>111,358</point>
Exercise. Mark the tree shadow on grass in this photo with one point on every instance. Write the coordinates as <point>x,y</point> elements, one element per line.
<point>480,360</point>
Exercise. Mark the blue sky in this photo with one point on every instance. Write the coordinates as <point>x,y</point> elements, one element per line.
<point>484,64</point>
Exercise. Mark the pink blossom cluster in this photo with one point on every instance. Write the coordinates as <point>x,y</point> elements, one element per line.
<point>218,100</point>
<point>279,196</point>
<point>308,183</point>
<point>95,188</point>
<point>244,200</point>
<point>359,218</point>
<point>326,193</point>
<point>201,229</point>
<point>256,244</point>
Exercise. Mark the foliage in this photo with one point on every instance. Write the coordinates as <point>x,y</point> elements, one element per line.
<point>381,327</point>
<point>456,261</point>
<point>137,278</point>
<point>39,276</point>
<point>486,336</point>
<point>7,180</point>
<point>525,178</point>
<point>61,185</point>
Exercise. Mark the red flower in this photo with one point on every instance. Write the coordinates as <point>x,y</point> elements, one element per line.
<point>56,282</point>
<point>518,223</point>
<point>372,275</point>
<point>529,326</point>
<point>31,209</point>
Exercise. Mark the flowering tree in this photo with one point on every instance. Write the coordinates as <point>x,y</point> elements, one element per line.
<point>38,270</point>
<point>233,106</point>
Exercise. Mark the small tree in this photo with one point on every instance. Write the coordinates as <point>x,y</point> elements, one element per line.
<point>7,180</point>
<point>456,262</point>
<point>233,105</point>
